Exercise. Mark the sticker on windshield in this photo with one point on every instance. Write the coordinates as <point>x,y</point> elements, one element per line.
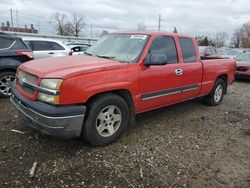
<point>143,37</point>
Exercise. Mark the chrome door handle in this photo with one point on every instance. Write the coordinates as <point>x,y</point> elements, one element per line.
<point>178,72</point>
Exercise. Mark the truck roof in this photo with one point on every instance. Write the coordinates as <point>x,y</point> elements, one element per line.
<point>152,33</point>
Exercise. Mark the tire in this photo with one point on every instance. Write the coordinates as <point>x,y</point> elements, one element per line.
<point>217,94</point>
<point>6,78</point>
<point>106,111</point>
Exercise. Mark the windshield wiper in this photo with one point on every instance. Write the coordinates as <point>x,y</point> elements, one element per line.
<point>106,57</point>
<point>88,53</point>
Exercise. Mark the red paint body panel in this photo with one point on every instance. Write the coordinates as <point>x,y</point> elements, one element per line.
<point>243,70</point>
<point>86,76</point>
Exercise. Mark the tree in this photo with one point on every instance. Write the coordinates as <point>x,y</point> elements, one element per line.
<point>245,40</point>
<point>69,27</point>
<point>141,26</point>
<point>175,30</point>
<point>220,39</point>
<point>60,20</point>
<point>103,33</point>
<point>237,36</point>
<point>78,24</point>
<point>202,40</point>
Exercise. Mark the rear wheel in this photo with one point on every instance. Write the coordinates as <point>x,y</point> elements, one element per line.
<point>6,79</point>
<point>217,94</point>
<point>108,118</point>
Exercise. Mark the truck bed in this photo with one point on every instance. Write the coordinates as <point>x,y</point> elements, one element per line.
<point>210,72</point>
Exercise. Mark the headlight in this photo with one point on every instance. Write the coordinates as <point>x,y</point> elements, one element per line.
<point>53,99</point>
<point>53,84</point>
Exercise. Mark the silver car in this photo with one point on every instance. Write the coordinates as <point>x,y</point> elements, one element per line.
<point>47,47</point>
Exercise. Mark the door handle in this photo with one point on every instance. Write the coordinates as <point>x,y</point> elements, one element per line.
<point>51,53</point>
<point>178,72</point>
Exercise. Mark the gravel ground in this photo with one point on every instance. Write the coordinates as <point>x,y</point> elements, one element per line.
<point>185,145</point>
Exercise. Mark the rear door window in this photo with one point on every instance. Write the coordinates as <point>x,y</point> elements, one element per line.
<point>40,45</point>
<point>188,50</point>
<point>19,44</point>
<point>29,44</point>
<point>56,46</point>
<point>165,45</point>
<point>6,43</point>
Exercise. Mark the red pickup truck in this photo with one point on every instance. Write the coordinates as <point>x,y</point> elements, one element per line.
<point>96,95</point>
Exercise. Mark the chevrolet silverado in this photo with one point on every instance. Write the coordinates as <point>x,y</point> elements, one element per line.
<point>95,96</point>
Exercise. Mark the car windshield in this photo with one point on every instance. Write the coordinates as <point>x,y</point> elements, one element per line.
<point>233,52</point>
<point>121,47</point>
<point>244,57</point>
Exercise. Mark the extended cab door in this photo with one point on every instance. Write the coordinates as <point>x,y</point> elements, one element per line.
<point>191,69</point>
<point>159,84</point>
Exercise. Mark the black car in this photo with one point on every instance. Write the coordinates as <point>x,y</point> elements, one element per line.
<point>13,52</point>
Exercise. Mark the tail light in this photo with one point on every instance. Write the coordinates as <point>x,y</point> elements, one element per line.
<point>70,53</point>
<point>29,54</point>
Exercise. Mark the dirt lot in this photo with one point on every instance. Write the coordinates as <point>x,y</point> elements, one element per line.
<point>185,145</point>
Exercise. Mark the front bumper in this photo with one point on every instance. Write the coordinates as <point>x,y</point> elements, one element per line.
<point>62,121</point>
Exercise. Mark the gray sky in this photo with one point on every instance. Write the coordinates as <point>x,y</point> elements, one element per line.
<point>195,17</point>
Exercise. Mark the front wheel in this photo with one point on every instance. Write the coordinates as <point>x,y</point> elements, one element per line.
<point>217,94</point>
<point>6,79</point>
<point>107,119</point>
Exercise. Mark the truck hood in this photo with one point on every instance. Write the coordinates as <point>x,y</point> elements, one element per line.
<point>242,64</point>
<point>68,66</point>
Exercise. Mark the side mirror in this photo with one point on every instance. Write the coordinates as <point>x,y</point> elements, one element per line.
<point>76,49</point>
<point>156,59</point>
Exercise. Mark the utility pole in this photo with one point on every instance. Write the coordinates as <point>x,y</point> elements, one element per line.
<point>11,18</point>
<point>159,23</point>
<point>17,20</point>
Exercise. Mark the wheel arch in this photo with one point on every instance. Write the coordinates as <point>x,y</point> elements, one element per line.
<point>224,77</point>
<point>124,93</point>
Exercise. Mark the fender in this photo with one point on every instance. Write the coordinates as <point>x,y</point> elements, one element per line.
<point>102,88</point>
<point>69,97</point>
<point>8,63</point>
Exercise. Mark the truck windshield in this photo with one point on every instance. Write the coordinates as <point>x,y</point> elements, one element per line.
<point>122,47</point>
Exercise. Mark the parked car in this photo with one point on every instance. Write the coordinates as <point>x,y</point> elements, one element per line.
<point>243,65</point>
<point>209,52</point>
<point>47,47</point>
<point>232,53</point>
<point>13,52</point>
<point>123,74</point>
<point>78,49</point>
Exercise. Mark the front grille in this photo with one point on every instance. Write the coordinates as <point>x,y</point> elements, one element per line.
<point>28,78</point>
<point>242,69</point>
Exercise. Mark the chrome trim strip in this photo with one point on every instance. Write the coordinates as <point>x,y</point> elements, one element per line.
<point>47,117</point>
<point>63,117</point>
<point>38,88</point>
<point>27,115</point>
<point>190,89</point>
<point>163,93</point>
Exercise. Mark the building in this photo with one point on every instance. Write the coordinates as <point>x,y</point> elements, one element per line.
<point>7,27</point>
